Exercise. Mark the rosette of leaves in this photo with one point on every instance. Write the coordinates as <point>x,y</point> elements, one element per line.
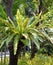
<point>22,27</point>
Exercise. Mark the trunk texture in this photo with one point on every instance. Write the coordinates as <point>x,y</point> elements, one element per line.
<point>14,58</point>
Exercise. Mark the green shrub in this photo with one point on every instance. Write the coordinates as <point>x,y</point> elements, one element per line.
<point>42,60</point>
<point>39,59</point>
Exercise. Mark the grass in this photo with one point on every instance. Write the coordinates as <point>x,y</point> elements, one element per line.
<point>39,59</point>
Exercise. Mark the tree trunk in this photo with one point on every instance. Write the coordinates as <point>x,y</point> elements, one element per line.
<point>14,58</point>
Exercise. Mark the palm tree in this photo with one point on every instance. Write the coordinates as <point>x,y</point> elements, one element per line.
<point>21,33</point>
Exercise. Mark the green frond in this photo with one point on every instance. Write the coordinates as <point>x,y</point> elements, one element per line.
<point>1,44</point>
<point>11,22</point>
<point>15,30</point>
<point>25,23</point>
<point>35,40</point>
<point>37,19</point>
<point>19,21</point>
<point>5,22</point>
<point>9,38</point>
<point>25,35</point>
<point>47,37</point>
<point>16,39</point>
<point>25,27</point>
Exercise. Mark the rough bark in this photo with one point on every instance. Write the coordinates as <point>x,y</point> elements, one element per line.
<point>13,60</point>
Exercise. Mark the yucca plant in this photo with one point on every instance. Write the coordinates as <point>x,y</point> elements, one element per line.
<point>20,33</point>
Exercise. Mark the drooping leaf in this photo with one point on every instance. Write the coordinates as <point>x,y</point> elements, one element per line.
<point>9,39</point>
<point>16,39</point>
<point>35,40</point>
